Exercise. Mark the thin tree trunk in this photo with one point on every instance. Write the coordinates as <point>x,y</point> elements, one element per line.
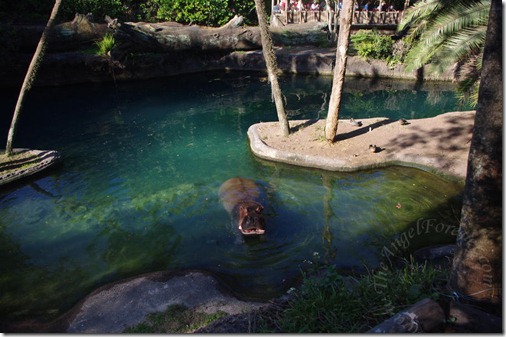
<point>339,70</point>
<point>30,76</point>
<point>330,16</point>
<point>272,67</point>
<point>406,6</point>
<point>477,266</point>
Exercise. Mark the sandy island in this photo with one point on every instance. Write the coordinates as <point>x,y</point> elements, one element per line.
<point>439,144</point>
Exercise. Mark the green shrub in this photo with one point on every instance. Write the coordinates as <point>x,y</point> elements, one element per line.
<point>370,44</point>
<point>26,11</point>
<point>105,45</point>
<point>99,8</point>
<point>203,12</point>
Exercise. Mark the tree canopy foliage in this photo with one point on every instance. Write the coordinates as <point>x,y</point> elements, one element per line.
<point>202,12</point>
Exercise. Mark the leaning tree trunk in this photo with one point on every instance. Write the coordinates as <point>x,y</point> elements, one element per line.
<point>30,76</point>
<point>477,266</point>
<point>272,67</point>
<point>339,70</point>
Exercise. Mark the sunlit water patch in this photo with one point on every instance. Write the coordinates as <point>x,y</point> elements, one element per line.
<point>138,190</point>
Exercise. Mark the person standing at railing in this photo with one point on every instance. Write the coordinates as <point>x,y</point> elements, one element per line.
<point>315,6</point>
<point>282,5</point>
<point>300,6</point>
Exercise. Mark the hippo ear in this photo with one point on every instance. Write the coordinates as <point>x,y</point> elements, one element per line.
<point>259,209</point>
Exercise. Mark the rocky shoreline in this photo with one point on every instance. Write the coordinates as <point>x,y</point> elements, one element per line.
<point>78,67</point>
<point>300,49</point>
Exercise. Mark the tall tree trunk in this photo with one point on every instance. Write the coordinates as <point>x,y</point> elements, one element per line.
<point>477,266</point>
<point>30,76</point>
<point>272,67</point>
<point>339,70</point>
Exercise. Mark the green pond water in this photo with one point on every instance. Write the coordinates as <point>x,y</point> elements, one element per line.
<point>138,189</point>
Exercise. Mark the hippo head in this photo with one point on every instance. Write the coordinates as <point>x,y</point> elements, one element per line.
<point>251,219</point>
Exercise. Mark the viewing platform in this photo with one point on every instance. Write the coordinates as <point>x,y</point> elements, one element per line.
<point>370,18</point>
<point>290,12</point>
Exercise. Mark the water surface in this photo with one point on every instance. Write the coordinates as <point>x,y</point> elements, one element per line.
<point>142,166</point>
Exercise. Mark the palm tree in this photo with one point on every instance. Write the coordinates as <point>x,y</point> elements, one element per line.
<point>30,76</point>
<point>272,67</point>
<point>339,70</point>
<point>446,33</point>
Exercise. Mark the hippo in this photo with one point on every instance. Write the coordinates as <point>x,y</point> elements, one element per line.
<point>241,198</point>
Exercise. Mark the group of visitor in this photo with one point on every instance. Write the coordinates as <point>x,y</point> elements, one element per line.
<point>300,6</point>
<point>382,7</point>
<point>315,5</point>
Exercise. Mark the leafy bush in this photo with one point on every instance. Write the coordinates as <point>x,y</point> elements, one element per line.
<point>26,11</point>
<point>202,12</point>
<point>105,45</point>
<point>99,8</point>
<point>370,44</point>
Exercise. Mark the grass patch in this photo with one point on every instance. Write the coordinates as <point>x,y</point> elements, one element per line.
<point>105,45</point>
<point>176,319</point>
<point>332,303</point>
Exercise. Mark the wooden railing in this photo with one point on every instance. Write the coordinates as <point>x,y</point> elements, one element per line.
<point>359,17</point>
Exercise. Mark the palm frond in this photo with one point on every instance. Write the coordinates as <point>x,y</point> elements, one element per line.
<point>445,33</point>
<point>435,31</point>
<point>455,32</point>
<point>417,13</point>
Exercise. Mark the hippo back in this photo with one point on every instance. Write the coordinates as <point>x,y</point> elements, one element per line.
<point>238,190</point>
